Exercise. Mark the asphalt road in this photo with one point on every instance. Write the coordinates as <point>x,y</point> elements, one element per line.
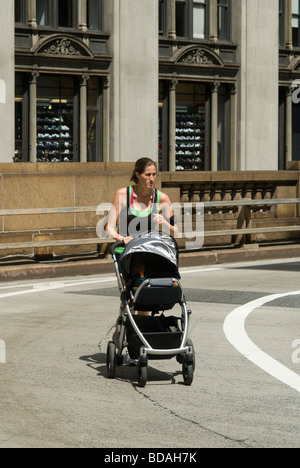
<point>55,393</point>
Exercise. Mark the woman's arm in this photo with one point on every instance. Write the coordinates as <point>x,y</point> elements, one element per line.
<point>165,219</point>
<point>118,204</point>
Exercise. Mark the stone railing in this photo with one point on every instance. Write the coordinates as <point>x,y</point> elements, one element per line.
<point>236,186</point>
<point>74,185</point>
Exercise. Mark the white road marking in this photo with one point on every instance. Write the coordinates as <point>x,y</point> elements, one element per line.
<point>40,287</point>
<point>188,271</point>
<point>234,329</point>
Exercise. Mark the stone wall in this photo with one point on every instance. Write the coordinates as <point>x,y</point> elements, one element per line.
<point>42,185</point>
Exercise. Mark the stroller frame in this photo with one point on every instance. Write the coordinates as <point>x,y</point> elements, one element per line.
<point>184,353</point>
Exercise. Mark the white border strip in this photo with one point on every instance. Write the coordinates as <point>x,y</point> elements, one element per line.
<point>234,329</point>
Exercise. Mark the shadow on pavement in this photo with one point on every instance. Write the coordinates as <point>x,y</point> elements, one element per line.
<point>125,373</point>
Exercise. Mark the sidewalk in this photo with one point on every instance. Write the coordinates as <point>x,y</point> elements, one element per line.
<point>59,269</point>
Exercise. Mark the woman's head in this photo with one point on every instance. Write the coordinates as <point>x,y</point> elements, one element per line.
<point>141,167</point>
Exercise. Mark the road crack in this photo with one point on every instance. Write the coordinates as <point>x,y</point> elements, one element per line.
<point>156,403</point>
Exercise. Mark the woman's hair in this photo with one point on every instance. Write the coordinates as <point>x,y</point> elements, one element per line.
<point>140,167</point>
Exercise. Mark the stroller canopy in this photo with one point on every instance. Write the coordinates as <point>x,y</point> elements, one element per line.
<point>159,252</point>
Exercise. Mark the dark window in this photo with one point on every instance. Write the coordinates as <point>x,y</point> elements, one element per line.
<point>223,129</point>
<point>281,23</point>
<point>20,11</point>
<point>43,12</point>
<point>57,117</point>
<point>56,13</point>
<point>94,120</point>
<point>181,18</point>
<point>21,118</point>
<point>163,126</point>
<point>199,19</point>
<point>192,19</point>
<point>65,13</point>
<point>224,20</point>
<point>296,132</point>
<point>94,15</point>
<point>162,26</point>
<point>282,129</point>
<point>191,128</point>
<point>296,22</point>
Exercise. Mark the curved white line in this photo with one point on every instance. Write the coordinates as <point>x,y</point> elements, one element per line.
<point>234,329</point>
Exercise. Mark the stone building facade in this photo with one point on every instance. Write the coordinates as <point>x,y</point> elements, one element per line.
<point>199,85</point>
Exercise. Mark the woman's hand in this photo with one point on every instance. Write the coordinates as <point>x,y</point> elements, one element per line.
<point>126,240</point>
<point>159,219</point>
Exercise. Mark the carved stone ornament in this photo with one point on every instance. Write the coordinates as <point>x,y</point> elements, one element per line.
<point>63,46</point>
<point>199,56</point>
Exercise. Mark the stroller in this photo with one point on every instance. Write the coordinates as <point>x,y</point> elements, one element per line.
<point>148,278</point>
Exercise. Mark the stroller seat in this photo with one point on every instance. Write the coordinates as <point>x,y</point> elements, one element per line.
<point>157,294</point>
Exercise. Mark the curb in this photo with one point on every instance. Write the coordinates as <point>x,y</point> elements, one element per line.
<point>95,267</point>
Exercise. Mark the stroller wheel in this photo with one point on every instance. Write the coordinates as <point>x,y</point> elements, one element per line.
<point>142,376</point>
<point>188,365</point>
<point>180,357</point>
<point>111,360</point>
<point>188,373</point>
<point>190,343</point>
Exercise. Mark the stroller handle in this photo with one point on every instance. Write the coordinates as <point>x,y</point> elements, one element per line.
<point>116,245</point>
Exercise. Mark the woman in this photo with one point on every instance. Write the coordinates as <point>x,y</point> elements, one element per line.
<point>141,207</point>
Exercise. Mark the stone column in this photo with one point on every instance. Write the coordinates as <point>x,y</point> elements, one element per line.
<point>133,29</point>
<point>213,20</point>
<point>172,125</point>
<point>33,115</point>
<point>257,142</point>
<point>172,19</point>
<point>106,119</point>
<point>288,33</point>
<point>82,15</point>
<point>214,126</point>
<point>83,118</point>
<point>288,124</point>
<point>31,10</point>
<point>32,21</point>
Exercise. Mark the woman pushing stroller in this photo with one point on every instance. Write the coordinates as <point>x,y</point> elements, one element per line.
<point>141,207</point>
<point>146,263</point>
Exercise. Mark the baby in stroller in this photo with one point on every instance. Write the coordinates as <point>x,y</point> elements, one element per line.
<point>137,276</point>
<point>148,278</point>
